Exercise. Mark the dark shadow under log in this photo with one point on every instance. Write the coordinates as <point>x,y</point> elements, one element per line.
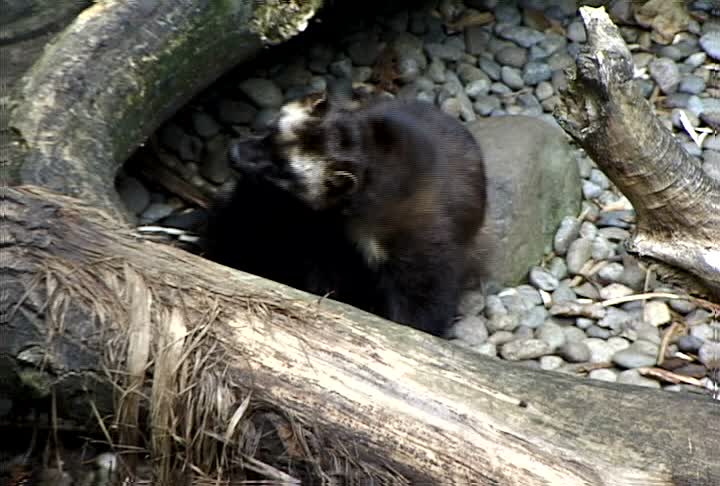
<point>87,303</point>
<point>677,203</point>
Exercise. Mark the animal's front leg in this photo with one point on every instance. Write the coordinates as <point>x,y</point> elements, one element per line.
<point>421,296</point>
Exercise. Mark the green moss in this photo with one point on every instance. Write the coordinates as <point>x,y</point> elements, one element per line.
<point>276,21</point>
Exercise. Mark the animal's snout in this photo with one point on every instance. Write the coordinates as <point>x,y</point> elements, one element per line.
<point>249,154</point>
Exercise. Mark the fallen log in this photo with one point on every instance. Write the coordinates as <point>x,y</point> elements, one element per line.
<point>677,203</point>
<point>183,351</point>
<point>105,84</point>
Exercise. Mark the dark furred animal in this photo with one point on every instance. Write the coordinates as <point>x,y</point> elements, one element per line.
<point>376,203</point>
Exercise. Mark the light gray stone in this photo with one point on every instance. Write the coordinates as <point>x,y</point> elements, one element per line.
<point>540,175</point>
<point>524,349</point>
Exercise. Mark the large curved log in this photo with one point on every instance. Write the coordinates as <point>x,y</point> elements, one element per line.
<point>677,203</point>
<point>118,71</point>
<point>194,344</point>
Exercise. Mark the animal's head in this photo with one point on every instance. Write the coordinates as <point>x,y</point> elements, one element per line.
<point>316,148</point>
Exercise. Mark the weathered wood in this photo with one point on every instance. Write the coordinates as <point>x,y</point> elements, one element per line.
<point>118,71</point>
<point>677,203</point>
<point>75,286</point>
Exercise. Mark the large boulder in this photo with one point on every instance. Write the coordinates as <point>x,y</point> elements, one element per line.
<point>533,182</point>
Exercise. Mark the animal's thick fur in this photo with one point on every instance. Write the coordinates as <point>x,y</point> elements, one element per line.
<point>376,203</point>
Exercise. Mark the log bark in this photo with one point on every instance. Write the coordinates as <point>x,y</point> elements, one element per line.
<point>118,71</point>
<point>677,203</point>
<point>85,303</point>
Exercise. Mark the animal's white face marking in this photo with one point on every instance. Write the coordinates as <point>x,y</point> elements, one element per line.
<point>310,170</point>
<point>292,116</point>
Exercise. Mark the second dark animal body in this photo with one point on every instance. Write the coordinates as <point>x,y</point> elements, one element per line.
<point>376,204</point>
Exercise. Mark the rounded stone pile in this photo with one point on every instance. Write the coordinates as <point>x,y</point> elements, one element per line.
<point>580,312</point>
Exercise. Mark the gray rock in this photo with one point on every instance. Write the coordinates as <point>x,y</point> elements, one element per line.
<point>632,377</point>
<point>558,267</point>
<point>529,295</point>
<point>507,13</point>
<point>575,352</point>
<point>522,36</point>
<point>631,358</point>
<point>476,39</point>
<point>190,149</point>
<point>588,230</point>
<point>544,90</point>
<point>615,290</point>
<point>603,374</point>
<point>486,349</point>
<point>682,306</point>
<point>600,350</point>
<point>443,51</point>
<point>597,332</point>
<point>133,194</point>
<point>614,318</point>
<point>542,279</point>
<point>712,143</point>
<point>503,322</point>
<point>539,174</point>
<point>264,93</point>
<point>478,88</point>
<point>590,189</point>
<point>494,306</point>
<point>602,249</point>
<point>436,70</point>
<point>500,89</point>
<point>215,165</point>
<point>584,323</point>
<point>205,125</point>
<point>646,347</point>
<point>587,290</point>
<point>469,73</point>
<point>657,313</point>
<point>472,303</point>
<point>264,118</point>
<point>703,331</point>
<point>563,293</point>
<point>710,42</point>
<point>512,77</point>
<point>294,74</point>
<point>709,354</point>
<point>236,112</point>
<point>490,67</point>
<point>471,329</point>
<point>535,72</point>
<point>574,334</point>
<point>696,59</point>
<point>552,334</point>
<point>501,337</point>
<point>534,317</point>
<point>612,272</point>
<point>692,84</point>
<point>578,254</point>
<point>523,332</point>
<point>512,56</point>
<point>566,233</point>
<point>551,362</point>
<point>576,31</point>
<point>665,73</point>
<point>697,317</point>
<point>484,105</point>
<point>364,52</point>
<point>524,349</point>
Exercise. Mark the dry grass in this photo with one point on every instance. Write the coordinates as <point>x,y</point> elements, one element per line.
<point>179,403</point>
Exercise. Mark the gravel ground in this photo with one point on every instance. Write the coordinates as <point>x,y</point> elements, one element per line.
<point>472,65</point>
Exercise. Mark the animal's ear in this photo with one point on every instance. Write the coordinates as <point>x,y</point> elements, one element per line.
<point>342,183</point>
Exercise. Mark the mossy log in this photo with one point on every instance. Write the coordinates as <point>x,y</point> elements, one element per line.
<point>190,344</point>
<point>677,203</point>
<point>118,71</point>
